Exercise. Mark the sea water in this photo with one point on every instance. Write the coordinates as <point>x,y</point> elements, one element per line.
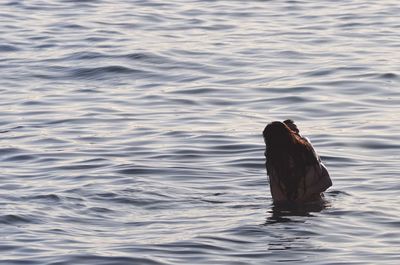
<point>130,131</point>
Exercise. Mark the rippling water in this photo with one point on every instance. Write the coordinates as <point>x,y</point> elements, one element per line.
<point>131,130</point>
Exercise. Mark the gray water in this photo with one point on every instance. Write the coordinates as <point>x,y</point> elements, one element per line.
<point>131,130</point>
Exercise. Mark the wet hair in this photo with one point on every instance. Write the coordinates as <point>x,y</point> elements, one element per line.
<point>287,157</point>
<point>290,123</point>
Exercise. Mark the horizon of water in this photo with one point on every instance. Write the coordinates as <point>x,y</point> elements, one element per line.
<point>131,131</point>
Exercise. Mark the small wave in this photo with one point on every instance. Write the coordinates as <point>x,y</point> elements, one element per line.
<point>186,247</point>
<point>44,197</point>
<point>224,239</point>
<point>48,140</point>
<point>23,157</point>
<point>13,219</point>
<point>140,171</point>
<point>141,199</point>
<point>90,55</point>
<point>81,166</point>
<point>389,76</point>
<point>10,150</point>
<point>285,99</point>
<point>103,259</point>
<point>195,91</point>
<point>182,101</point>
<point>100,210</point>
<point>320,72</point>
<point>340,160</point>
<point>96,39</point>
<point>136,56</point>
<point>96,72</point>
<point>212,201</point>
<point>379,145</point>
<point>8,48</point>
<point>15,128</point>
<point>292,54</point>
<point>86,55</point>
<point>335,193</point>
<point>136,201</point>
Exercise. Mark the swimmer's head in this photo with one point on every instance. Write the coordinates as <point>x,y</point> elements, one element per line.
<point>278,134</point>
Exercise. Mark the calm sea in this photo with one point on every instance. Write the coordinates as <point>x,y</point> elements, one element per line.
<point>130,131</point>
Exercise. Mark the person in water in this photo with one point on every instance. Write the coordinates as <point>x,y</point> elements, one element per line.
<point>294,169</point>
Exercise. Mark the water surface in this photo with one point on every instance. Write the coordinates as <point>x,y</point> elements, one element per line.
<point>131,131</point>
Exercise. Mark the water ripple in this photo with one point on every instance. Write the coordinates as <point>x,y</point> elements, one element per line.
<point>131,132</point>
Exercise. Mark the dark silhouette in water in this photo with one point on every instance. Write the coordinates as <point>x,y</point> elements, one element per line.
<point>295,173</point>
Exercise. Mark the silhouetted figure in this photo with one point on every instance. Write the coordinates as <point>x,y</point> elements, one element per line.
<point>295,172</point>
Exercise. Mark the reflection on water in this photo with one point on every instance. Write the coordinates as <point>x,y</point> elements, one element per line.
<point>294,231</point>
<point>282,213</point>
